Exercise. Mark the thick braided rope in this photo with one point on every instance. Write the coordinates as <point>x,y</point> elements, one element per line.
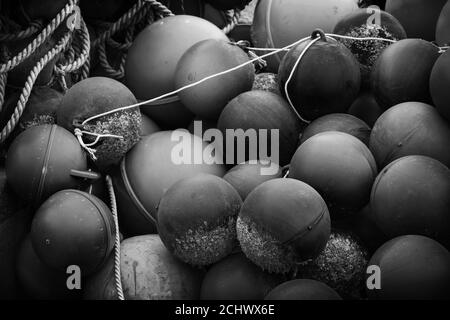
<point>233,17</point>
<point>117,272</point>
<point>34,73</point>
<point>41,38</point>
<point>141,7</point>
<point>81,47</point>
<point>3,78</point>
<point>32,29</point>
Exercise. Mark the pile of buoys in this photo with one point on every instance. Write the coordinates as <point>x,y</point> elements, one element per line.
<point>288,160</point>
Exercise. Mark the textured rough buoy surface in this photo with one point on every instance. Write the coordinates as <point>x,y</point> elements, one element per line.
<point>207,58</point>
<point>340,122</point>
<point>303,289</point>
<point>283,222</point>
<point>40,160</point>
<point>94,96</point>
<point>196,219</point>
<point>340,167</point>
<point>418,17</point>
<point>410,196</point>
<point>410,128</point>
<point>236,278</point>
<point>153,58</point>
<point>326,80</point>
<point>149,169</point>
<point>248,175</point>
<point>394,80</point>
<point>267,82</point>
<point>362,24</point>
<point>341,265</point>
<point>439,80</point>
<point>278,23</point>
<point>148,272</point>
<point>412,268</point>
<point>73,228</point>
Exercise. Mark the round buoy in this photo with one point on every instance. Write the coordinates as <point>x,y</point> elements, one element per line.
<point>265,115</point>
<point>246,176</point>
<point>443,26</point>
<point>278,23</point>
<point>148,272</point>
<point>411,268</point>
<point>326,80</point>
<point>410,128</point>
<point>152,59</point>
<point>393,79</point>
<point>236,278</point>
<point>303,289</point>
<point>196,219</point>
<point>410,196</point>
<point>94,96</point>
<point>366,108</point>
<point>207,58</point>
<point>73,228</point>
<point>150,168</point>
<point>440,77</point>
<point>340,167</point>
<point>40,160</point>
<point>281,223</point>
<point>418,17</point>
<point>340,122</point>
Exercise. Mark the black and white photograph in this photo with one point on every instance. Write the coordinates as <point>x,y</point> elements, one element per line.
<point>219,159</point>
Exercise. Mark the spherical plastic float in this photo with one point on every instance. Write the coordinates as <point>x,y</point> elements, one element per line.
<point>443,26</point>
<point>207,58</point>
<point>152,59</point>
<point>40,160</point>
<point>303,289</point>
<point>73,228</point>
<point>326,80</point>
<point>394,80</point>
<point>410,196</point>
<point>412,268</point>
<point>148,170</point>
<point>281,223</point>
<point>439,80</point>
<point>148,272</point>
<point>278,23</point>
<point>340,167</point>
<point>410,128</point>
<point>366,108</point>
<point>196,219</point>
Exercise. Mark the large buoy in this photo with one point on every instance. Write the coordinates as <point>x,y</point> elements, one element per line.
<point>73,228</point>
<point>439,80</point>
<point>412,268</point>
<point>410,128</point>
<point>148,272</point>
<point>326,79</point>
<point>418,17</point>
<point>283,222</point>
<point>196,219</point>
<point>443,26</point>
<point>278,23</point>
<point>410,196</point>
<point>150,168</point>
<point>340,167</point>
<point>40,160</point>
<point>394,80</point>
<point>207,58</point>
<point>152,61</point>
<point>303,289</point>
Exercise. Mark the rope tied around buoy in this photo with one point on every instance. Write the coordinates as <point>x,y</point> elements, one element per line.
<point>117,271</point>
<point>314,38</point>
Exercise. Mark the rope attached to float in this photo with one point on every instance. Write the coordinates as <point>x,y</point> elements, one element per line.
<point>117,272</point>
